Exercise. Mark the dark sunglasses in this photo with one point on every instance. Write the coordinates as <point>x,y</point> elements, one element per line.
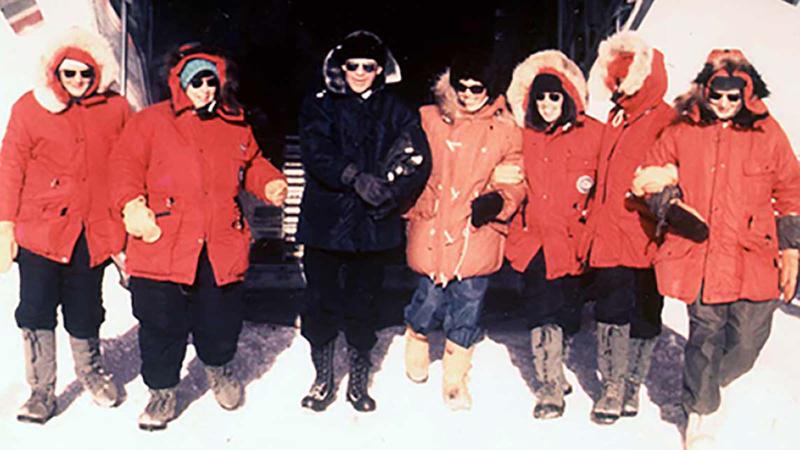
<point>88,73</point>
<point>733,98</point>
<point>208,81</point>
<point>475,88</point>
<point>552,96</point>
<point>368,67</point>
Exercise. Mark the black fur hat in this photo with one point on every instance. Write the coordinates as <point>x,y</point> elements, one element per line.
<point>477,66</point>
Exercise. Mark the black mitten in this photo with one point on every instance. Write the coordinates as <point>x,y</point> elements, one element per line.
<point>686,224</point>
<point>372,189</point>
<point>485,208</point>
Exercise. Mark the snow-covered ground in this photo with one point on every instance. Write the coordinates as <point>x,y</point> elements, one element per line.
<point>764,406</point>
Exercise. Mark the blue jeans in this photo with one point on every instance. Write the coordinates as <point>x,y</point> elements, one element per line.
<point>456,308</point>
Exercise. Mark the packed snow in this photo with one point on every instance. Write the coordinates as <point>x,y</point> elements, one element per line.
<point>764,405</point>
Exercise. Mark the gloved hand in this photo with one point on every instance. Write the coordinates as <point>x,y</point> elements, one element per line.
<point>789,268</point>
<point>140,221</point>
<point>8,245</point>
<point>276,191</point>
<point>372,189</point>
<point>653,179</point>
<point>682,219</point>
<point>485,208</point>
<point>403,163</point>
<point>507,174</point>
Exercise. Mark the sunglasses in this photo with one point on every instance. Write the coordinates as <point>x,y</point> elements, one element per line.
<point>475,88</point>
<point>716,96</point>
<point>208,81</point>
<point>552,96</point>
<point>88,73</point>
<point>368,67</point>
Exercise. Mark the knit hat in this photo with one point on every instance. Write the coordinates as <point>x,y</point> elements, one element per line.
<point>195,66</point>
<point>546,82</point>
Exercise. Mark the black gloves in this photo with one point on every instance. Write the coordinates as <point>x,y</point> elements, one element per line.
<point>372,189</point>
<point>485,208</point>
<point>402,160</point>
<point>669,212</point>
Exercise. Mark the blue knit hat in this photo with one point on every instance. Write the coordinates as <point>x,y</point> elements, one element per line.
<point>195,66</point>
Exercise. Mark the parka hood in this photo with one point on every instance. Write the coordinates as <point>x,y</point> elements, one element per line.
<point>725,63</point>
<point>334,75</point>
<point>631,71</point>
<point>84,46</point>
<point>447,102</point>
<point>551,62</point>
<point>228,107</point>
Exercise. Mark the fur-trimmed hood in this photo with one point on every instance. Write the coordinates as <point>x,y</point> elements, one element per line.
<point>447,103</point>
<point>75,43</point>
<point>228,107</point>
<point>629,70</point>
<point>334,76</point>
<point>725,62</point>
<point>552,62</point>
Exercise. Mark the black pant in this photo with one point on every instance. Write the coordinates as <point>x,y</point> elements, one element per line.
<point>342,288</point>
<point>45,284</point>
<point>168,312</point>
<point>724,342</point>
<point>622,296</point>
<point>546,301</point>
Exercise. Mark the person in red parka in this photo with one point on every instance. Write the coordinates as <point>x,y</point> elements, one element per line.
<point>620,242</point>
<point>548,96</point>
<point>178,167</point>
<point>55,212</point>
<point>735,168</point>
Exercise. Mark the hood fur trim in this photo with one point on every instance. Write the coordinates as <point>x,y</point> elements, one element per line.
<point>724,62</point>
<point>624,42</point>
<point>447,102</point>
<point>49,92</point>
<point>334,76</point>
<point>551,61</point>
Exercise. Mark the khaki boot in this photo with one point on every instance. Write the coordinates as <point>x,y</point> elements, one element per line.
<point>161,408</point>
<point>226,386</point>
<point>91,373</point>
<point>40,371</point>
<point>641,353</point>
<point>456,362</point>
<point>417,358</point>
<point>547,348</point>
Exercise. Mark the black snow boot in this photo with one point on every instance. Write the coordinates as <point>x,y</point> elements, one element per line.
<point>323,391</point>
<point>357,393</point>
<point>641,352</point>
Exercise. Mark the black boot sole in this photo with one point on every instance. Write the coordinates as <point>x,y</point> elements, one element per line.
<point>152,427</point>
<point>316,405</point>
<point>545,412</point>
<point>629,414</point>
<point>36,420</point>
<point>362,405</point>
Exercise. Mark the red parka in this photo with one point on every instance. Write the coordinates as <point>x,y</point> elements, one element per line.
<point>54,159</point>
<point>617,234</point>
<point>466,148</point>
<point>739,179</point>
<point>560,167</point>
<point>189,171</point>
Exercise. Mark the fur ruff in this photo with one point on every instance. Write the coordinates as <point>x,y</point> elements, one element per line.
<point>526,71</point>
<point>49,92</point>
<point>639,70</point>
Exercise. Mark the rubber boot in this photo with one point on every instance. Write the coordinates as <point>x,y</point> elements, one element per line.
<point>416,356</point>
<point>226,386</point>
<point>91,373</point>
<point>547,348</point>
<point>161,408</point>
<point>640,355</point>
<point>323,390</point>
<point>456,363</point>
<point>357,393</point>
<point>40,371</point>
<point>612,363</point>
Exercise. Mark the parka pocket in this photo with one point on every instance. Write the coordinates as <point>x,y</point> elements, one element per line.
<point>758,179</point>
<point>156,258</point>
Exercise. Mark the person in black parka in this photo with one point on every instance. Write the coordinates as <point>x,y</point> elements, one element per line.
<point>366,161</point>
